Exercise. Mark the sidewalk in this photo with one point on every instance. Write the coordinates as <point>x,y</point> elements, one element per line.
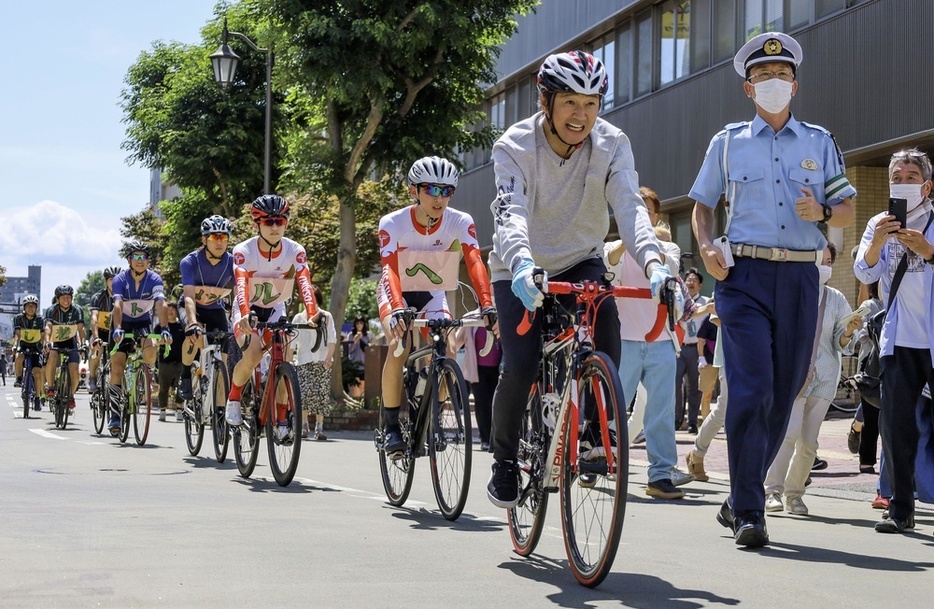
<point>841,479</point>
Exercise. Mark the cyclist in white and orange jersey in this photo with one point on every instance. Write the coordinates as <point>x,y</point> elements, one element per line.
<point>266,268</point>
<point>420,248</point>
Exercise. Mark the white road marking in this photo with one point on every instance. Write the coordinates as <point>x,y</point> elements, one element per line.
<point>48,434</point>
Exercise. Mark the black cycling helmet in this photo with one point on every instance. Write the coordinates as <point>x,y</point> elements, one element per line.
<point>269,206</point>
<point>64,290</point>
<point>215,224</point>
<point>112,271</point>
<point>135,246</point>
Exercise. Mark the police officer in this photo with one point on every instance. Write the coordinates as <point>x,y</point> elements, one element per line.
<point>780,177</point>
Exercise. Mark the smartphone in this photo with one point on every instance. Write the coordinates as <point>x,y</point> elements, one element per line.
<point>899,209</point>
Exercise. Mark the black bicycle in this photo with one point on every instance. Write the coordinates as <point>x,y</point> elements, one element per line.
<point>29,393</point>
<point>436,389</point>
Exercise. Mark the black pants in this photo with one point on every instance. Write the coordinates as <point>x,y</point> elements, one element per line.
<point>687,366</point>
<point>522,354</point>
<point>483,391</point>
<point>904,374</point>
<point>169,373</point>
<point>869,435</point>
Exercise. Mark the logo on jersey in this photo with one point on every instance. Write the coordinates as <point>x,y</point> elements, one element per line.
<point>300,257</point>
<point>383,238</point>
<point>472,230</point>
<point>239,258</point>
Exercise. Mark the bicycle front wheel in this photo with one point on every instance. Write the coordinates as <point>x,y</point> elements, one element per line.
<point>142,408</point>
<point>284,425</point>
<point>396,473</point>
<point>62,387</point>
<point>593,492</point>
<point>221,388</point>
<point>246,436</point>
<point>125,410</point>
<point>194,428</point>
<point>99,405</point>
<point>450,440</point>
<point>527,519</point>
<point>26,393</point>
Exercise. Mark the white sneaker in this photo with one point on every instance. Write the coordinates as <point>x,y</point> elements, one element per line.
<point>795,505</point>
<point>179,415</point>
<point>162,415</point>
<point>678,477</point>
<point>773,503</point>
<point>282,431</point>
<point>233,415</point>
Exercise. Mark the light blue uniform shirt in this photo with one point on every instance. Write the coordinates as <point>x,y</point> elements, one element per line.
<point>767,172</point>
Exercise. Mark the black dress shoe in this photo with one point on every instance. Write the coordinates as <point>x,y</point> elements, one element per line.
<point>896,525</point>
<point>749,530</point>
<point>725,515</point>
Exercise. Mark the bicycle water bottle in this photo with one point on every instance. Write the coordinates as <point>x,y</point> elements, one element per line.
<point>550,405</point>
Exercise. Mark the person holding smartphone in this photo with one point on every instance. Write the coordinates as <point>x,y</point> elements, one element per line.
<point>907,340</point>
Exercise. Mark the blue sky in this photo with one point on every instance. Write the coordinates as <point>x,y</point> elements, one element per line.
<point>64,180</point>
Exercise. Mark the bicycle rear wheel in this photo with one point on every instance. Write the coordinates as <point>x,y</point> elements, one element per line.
<point>142,409</point>
<point>285,415</point>
<point>246,436</point>
<point>221,387</point>
<point>593,504</point>
<point>194,428</point>
<point>527,519</point>
<point>449,441</point>
<point>396,474</point>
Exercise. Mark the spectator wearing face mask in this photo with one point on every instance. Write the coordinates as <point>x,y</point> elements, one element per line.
<point>791,466</point>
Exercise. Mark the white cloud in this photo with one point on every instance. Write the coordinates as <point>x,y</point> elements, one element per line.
<point>66,244</point>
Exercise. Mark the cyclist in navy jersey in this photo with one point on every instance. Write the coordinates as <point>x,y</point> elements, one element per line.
<point>136,292</point>
<point>102,304</point>
<point>64,333</point>
<point>207,280</point>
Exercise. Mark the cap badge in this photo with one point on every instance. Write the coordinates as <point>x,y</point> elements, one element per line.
<point>772,46</point>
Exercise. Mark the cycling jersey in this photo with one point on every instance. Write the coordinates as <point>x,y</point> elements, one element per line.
<point>418,258</point>
<point>64,325</point>
<point>103,303</point>
<point>136,303</point>
<point>30,330</point>
<point>212,282</point>
<point>265,281</point>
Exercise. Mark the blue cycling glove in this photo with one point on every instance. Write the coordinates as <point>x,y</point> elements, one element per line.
<point>118,335</point>
<point>524,287</point>
<point>659,274</point>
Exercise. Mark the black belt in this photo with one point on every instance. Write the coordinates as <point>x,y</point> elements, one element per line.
<point>775,254</point>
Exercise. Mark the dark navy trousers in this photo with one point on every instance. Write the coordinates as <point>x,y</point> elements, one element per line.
<point>768,316</point>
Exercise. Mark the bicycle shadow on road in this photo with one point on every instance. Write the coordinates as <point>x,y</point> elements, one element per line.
<point>428,519</point>
<point>628,589</point>
<point>208,463</point>
<point>269,485</point>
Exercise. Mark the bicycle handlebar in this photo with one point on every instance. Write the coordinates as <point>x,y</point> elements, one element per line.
<point>283,324</point>
<point>442,324</point>
<point>155,337</point>
<point>592,291</point>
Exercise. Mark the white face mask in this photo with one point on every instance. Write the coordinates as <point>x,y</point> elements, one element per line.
<point>824,273</point>
<point>911,192</point>
<point>773,95</point>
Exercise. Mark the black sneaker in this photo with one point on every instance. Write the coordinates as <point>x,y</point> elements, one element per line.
<point>852,440</point>
<point>18,382</point>
<point>591,444</point>
<point>503,487</point>
<point>663,489</point>
<point>184,389</point>
<point>819,464</point>
<point>392,440</point>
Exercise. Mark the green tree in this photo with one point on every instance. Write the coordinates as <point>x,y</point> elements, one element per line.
<point>417,91</point>
<point>89,286</point>
<point>2,275</point>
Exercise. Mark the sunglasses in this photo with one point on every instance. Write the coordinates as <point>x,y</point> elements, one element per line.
<point>274,221</point>
<point>435,190</point>
<point>218,237</point>
<point>139,257</point>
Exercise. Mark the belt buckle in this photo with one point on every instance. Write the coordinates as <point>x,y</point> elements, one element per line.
<point>778,254</point>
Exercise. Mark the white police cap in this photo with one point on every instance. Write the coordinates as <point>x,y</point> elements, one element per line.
<point>766,48</point>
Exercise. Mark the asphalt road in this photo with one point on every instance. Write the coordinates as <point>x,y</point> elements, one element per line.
<point>86,522</point>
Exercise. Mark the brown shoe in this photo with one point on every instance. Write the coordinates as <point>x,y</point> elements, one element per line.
<point>695,465</point>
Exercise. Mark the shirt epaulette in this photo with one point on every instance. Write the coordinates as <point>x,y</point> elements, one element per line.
<point>733,127</point>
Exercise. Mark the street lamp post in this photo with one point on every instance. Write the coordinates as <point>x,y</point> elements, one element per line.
<point>225,62</point>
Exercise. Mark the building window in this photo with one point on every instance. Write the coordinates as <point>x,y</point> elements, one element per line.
<point>724,30</point>
<point>700,34</point>
<point>762,16</point>
<point>623,74</point>
<point>644,53</point>
<point>604,49</point>
<point>822,8</point>
<point>674,38</point>
<point>498,111</point>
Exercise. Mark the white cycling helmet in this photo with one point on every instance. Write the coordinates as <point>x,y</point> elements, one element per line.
<point>574,72</point>
<point>433,170</point>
